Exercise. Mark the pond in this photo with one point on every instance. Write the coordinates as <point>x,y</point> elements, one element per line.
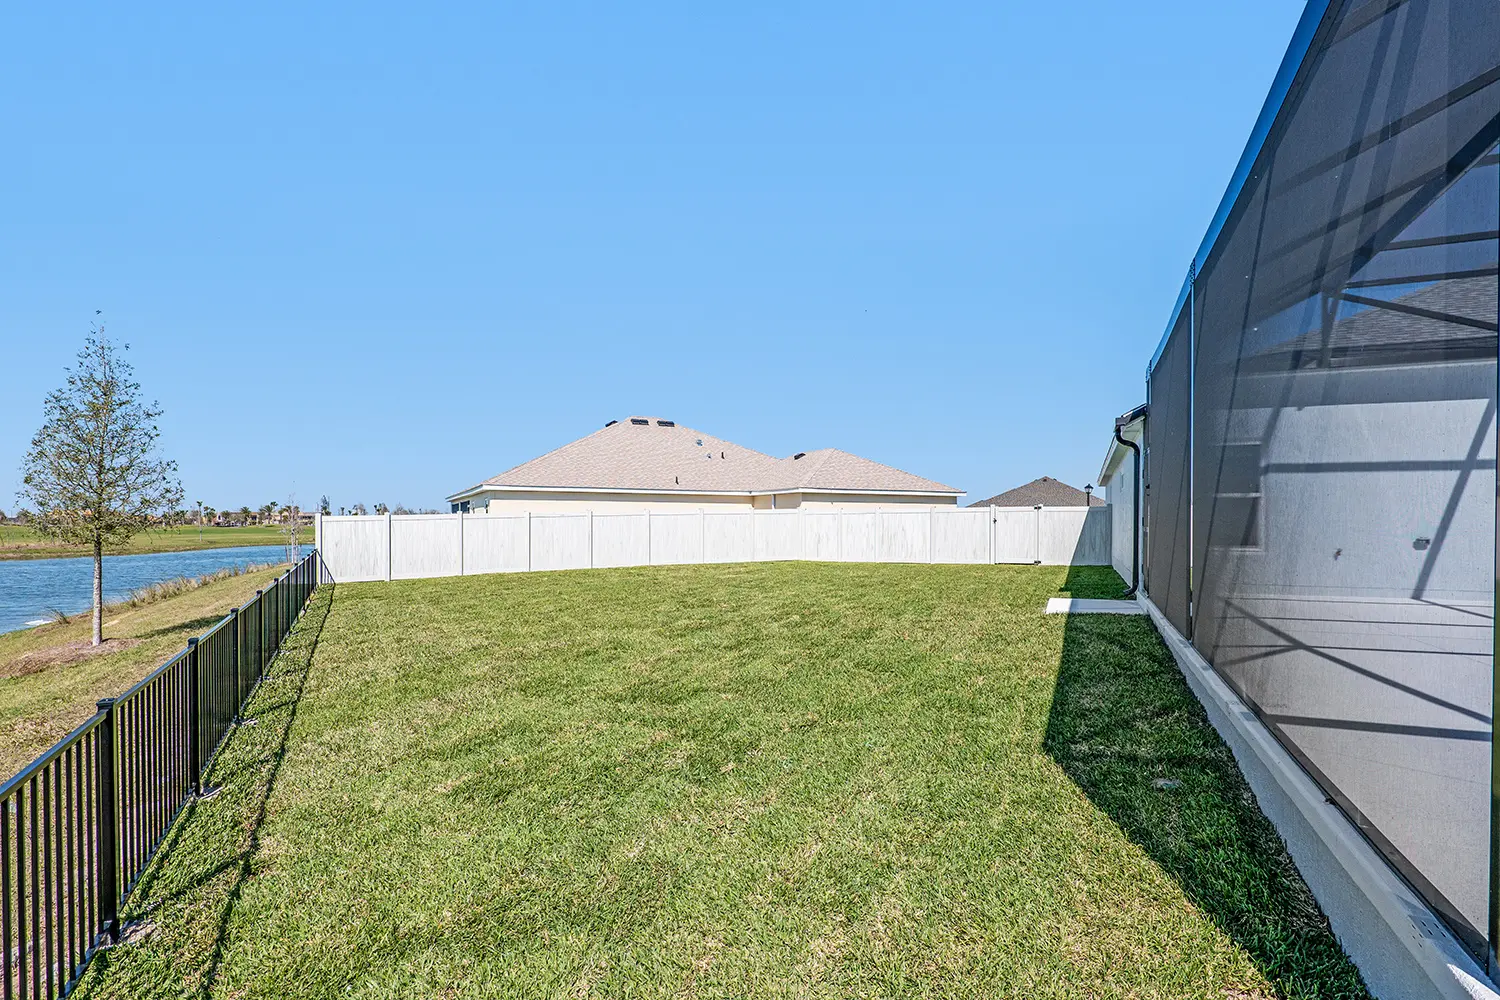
<point>31,589</point>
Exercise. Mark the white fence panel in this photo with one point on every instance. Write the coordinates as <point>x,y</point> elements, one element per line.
<point>354,548</point>
<point>1073,536</point>
<point>860,532</point>
<point>728,538</point>
<point>676,538</point>
<point>961,536</point>
<point>494,544</point>
<point>778,535</point>
<point>425,545</point>
<point>559,541</point>
<point>621,540</point>
<point>903,536</point>
<point>820,536</point>
<point>1015,534</point>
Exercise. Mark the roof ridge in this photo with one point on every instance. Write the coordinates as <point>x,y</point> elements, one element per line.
<point>640,454</point>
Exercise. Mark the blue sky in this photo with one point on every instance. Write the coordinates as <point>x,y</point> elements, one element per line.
<point>383,252</point>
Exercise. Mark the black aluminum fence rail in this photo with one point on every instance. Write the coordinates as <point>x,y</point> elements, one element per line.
<point>80,824</point>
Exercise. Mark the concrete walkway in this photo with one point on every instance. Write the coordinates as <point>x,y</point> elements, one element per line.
<point>1084,606</point>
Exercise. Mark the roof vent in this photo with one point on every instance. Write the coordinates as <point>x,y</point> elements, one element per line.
<point>611,423</point>
<point>666,423</point>
<point>800,454</point>
<point>639,421</point>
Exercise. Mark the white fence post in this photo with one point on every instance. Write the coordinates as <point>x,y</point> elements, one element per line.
<point>839,513</point>
<point>1038,509</point>
<point>460,542</point>
<point>992,534</point>
<point>931,535</point>
<point>702,538</point>
<point>648,536</point>
<point>528,541</point>
<point>388,546</point>
<point>591,538</point>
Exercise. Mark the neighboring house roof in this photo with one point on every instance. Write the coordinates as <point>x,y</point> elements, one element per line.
<point>1446,320</point>
<point>831,469</point>
<point>648,454</point>
<point>1043,492</point>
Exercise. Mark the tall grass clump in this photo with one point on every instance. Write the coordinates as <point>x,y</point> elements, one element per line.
<point>163,589</point>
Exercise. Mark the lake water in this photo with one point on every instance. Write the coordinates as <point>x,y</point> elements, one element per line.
<point>30,588</point>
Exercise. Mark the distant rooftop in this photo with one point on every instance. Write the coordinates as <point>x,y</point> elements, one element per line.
<point>651,454</point>
<point>1043,492</point>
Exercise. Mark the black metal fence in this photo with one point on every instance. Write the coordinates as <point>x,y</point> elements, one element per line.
<point>80,824</point>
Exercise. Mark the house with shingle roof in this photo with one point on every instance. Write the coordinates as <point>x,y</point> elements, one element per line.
<point>646,463</point>
<point>1043,492</point>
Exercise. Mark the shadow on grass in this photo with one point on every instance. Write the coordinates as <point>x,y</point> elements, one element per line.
<point>1128,731</point>
<point>219,837</point>
<point>201,624</point>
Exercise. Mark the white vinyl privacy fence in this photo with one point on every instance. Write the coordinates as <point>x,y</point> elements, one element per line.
<point>413,546</point>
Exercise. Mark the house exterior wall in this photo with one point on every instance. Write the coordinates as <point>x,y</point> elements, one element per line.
<point>838,501</point>
<point>544,502</point>
<point>1120,494</point>
<point>547,502</point>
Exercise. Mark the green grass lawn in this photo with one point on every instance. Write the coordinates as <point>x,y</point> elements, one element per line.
<point>50,679</point>
<point>20,542</point>
<point>794,779</point>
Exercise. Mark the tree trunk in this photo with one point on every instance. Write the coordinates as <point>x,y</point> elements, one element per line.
<point>98,592</point>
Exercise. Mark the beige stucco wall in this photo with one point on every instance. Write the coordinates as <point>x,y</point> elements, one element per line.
<point>541,502</point>
<point>834,501</point>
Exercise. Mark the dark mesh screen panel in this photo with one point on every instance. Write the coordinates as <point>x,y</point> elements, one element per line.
<point>1344,434</point>
<point>1167,478</point>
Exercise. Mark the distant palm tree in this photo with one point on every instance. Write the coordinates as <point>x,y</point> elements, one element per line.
<point>246,514</point>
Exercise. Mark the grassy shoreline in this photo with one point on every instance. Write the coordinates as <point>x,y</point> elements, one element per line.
<point>50,678</point>
<point>20,542</point>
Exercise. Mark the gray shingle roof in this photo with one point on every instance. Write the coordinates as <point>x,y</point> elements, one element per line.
<point>1046,492</point>
<point>1413,331</point>
<point>652,455</point>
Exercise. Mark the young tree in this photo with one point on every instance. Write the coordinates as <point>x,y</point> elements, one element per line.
<point>290,526</point>
<point>359,508</point>
<point>93,472</point>
<point>324,507</point>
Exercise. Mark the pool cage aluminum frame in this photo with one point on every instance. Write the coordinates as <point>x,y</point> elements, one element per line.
<point>1323,24</point>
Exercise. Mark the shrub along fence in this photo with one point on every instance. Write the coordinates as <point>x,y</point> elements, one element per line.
<point>80,824</point>
<point>412,546</point>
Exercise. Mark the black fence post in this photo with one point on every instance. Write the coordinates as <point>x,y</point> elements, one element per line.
<point>195,722</point>
<point>234,660</point>
<point>107,815</point>
<point>260,635</point>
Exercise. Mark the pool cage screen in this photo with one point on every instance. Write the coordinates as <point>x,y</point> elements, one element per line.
<point>1320,510</point>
